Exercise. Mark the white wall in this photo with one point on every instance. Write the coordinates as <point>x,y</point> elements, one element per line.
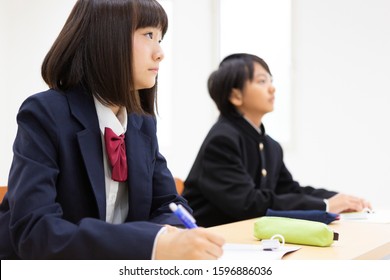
<point>341,96</point>
<point>194,56</point>
<point>28,29</point>
<point>340,89</point>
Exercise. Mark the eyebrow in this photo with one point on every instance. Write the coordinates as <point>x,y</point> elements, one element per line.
<point>264,75</point>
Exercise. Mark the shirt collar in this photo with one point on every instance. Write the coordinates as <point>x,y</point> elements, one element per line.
<point>107,118</point>
<point>254,126</point>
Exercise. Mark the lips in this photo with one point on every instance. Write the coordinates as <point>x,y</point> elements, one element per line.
<point>154,70</point>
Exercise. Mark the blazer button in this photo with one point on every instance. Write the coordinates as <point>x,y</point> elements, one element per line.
<point>264,172</point>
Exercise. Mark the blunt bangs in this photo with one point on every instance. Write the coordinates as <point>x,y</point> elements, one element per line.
<point>151,14</point>
<point>95,50</point>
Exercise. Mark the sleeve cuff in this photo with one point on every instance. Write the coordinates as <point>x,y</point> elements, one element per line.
<point>161,231</point>
<point>326,205</point>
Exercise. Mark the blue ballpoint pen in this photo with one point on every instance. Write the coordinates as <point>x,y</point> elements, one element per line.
<point>183,215</point>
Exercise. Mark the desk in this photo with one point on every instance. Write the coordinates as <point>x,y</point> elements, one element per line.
<point>357,240</point>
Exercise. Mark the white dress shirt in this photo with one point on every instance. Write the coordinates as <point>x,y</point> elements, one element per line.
<point>117,203</point>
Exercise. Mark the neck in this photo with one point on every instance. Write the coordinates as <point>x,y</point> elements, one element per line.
<point>115,109</point>
<point>255,120</point>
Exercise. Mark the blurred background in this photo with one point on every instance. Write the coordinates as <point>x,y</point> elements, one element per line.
<point>329,59</point>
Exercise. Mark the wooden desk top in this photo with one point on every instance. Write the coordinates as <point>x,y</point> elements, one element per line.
<point>357,240</point>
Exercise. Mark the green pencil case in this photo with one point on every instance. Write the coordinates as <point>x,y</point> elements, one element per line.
<point>295,231</point>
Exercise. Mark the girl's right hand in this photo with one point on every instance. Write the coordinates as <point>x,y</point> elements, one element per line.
<point>189,244</point>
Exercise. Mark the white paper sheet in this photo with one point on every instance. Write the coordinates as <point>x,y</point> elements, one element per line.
<point>235,251</point>
<point>378,216</point>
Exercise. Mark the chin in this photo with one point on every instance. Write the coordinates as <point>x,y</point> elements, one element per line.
<point>146,86</point>
<point>270,110</point>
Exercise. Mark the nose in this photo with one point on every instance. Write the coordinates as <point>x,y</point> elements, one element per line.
<point>158,55</point>
<point>272,89</point>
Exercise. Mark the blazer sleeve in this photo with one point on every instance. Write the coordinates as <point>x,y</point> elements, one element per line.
<point>37,227</point>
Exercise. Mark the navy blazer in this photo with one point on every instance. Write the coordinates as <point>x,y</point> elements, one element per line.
<point>55,207</point>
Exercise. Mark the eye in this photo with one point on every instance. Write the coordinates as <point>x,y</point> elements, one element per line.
<point>151,36</point>
<point>262,81</point>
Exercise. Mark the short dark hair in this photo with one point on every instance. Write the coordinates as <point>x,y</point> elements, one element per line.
<point>94,50</point>
<point>234,70</point>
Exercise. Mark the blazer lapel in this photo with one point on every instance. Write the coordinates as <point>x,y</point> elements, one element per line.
<point>139,159</point>
<point>83,109</point>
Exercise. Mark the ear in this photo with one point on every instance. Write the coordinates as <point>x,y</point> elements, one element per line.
<point>236,97</point>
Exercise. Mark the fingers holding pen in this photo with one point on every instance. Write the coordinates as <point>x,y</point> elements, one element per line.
<point>212,243</point>
<point>204,244</point>
<point>188,244</point>
<point>193,243</point>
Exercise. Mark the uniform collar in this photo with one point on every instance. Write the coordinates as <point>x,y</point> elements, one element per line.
<point>259,129</point>
<point>257,133</point>
<point>107,118</point>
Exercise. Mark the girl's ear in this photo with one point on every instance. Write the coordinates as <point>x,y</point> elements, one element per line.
<point>236,97</point>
